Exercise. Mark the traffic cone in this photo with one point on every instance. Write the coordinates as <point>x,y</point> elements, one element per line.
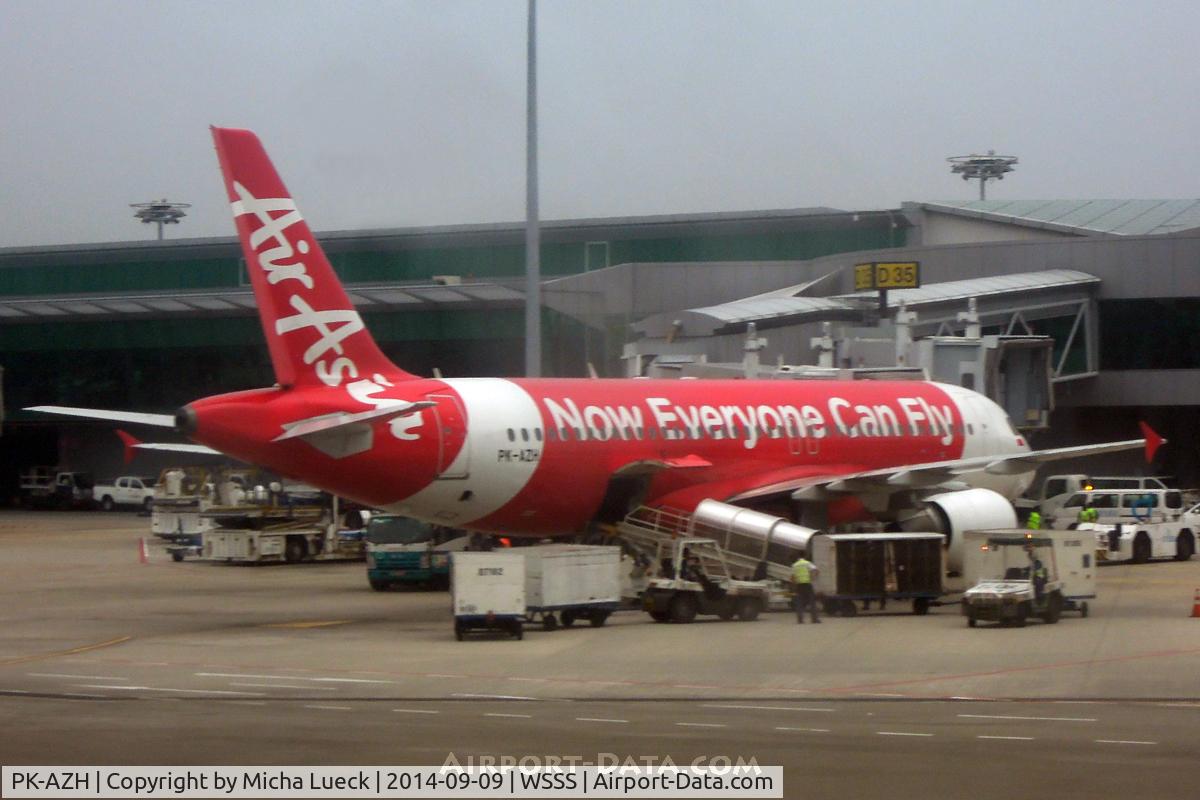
<point>1196,605</point>
<point>144,557</point>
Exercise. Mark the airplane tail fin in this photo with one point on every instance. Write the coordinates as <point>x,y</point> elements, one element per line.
<point>313,332</point>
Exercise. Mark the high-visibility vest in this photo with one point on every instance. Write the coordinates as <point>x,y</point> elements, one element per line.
<point>1035,520</point>
<point>801,571</point>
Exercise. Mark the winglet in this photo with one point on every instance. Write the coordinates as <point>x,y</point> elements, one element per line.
<point>131,442</point>
<point>1153,441</point>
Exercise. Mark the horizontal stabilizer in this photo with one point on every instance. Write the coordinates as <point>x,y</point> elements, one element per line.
<point>136,417</point>
<point>331,422</point>
<point>178,448</point>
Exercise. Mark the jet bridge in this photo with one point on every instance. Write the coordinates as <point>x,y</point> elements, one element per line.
<point>1009,337</point>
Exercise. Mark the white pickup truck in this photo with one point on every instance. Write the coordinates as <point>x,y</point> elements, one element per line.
<point>128,490</point>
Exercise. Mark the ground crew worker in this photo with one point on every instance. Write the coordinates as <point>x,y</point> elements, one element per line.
<point>1035,521</point>
<point>1040,576</point>
<point>1088,513</point>
<point>803,572</point>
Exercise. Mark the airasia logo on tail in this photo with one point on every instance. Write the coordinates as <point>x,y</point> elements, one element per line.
<point>280,262</point>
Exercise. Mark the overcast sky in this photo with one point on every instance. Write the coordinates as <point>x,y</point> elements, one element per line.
<point>392,114</point>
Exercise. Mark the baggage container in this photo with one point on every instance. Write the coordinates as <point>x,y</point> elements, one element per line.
<point>488,592</point>
<point>863,567</point>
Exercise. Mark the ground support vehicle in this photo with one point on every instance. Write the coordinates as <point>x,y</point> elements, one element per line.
<point>182,495</point>
<point>487,592</point>
<point>565,583</point>
<point>864,567</point>
<point>1057,489</point>
<point>694,579</point>
<point>1120,506</point>
<point>49,487</point>
<point>127,490</point>
<point>1000,570</point>
<point>1140,542</point>
<point>289,533</point>
<point>403,551</point>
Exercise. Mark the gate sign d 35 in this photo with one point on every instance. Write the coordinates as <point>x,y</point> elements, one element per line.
<point>887,275</point>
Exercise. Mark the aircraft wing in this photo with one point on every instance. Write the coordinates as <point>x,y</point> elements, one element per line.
<point>935,474</point>
<point>136,417</point>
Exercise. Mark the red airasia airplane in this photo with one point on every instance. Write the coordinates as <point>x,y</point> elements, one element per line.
<point>550,456</point>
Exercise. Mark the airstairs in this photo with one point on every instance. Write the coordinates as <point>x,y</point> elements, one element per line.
<point>650,532</point>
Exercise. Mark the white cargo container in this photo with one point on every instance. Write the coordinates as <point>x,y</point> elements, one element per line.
<point>572,581</point>
<point>488,591</point>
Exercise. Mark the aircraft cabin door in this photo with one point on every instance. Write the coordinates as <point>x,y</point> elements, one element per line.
<point>454,446</point>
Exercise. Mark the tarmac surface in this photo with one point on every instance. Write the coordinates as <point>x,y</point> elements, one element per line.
<point>105,660</point>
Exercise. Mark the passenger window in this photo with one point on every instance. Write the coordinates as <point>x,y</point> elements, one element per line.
<point>1087,561</point>
<point>1074,502</point>
<point>537,434</point>
<point>1174,500</point>
<point>512,437</point>
<point>524,434</point>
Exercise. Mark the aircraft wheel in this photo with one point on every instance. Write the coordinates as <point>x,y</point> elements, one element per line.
<point>683,608</point>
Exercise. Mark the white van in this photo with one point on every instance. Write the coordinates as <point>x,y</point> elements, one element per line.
<point>1058,489</point>
<point>1125,506</point>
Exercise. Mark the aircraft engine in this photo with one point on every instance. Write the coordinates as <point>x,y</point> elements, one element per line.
<point>954,513</point>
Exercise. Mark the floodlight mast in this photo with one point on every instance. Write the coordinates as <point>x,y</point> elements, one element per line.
<point>982,168</point>
<point>161,212</point>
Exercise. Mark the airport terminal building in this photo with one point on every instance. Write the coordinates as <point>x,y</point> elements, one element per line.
<point>1114,284</point>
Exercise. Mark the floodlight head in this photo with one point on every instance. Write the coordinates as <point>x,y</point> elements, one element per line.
<point>982,168</point>
<point>160,212</point>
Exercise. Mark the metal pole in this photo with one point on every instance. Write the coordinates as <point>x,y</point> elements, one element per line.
<point>982,183</point>
<point>533,267</point>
